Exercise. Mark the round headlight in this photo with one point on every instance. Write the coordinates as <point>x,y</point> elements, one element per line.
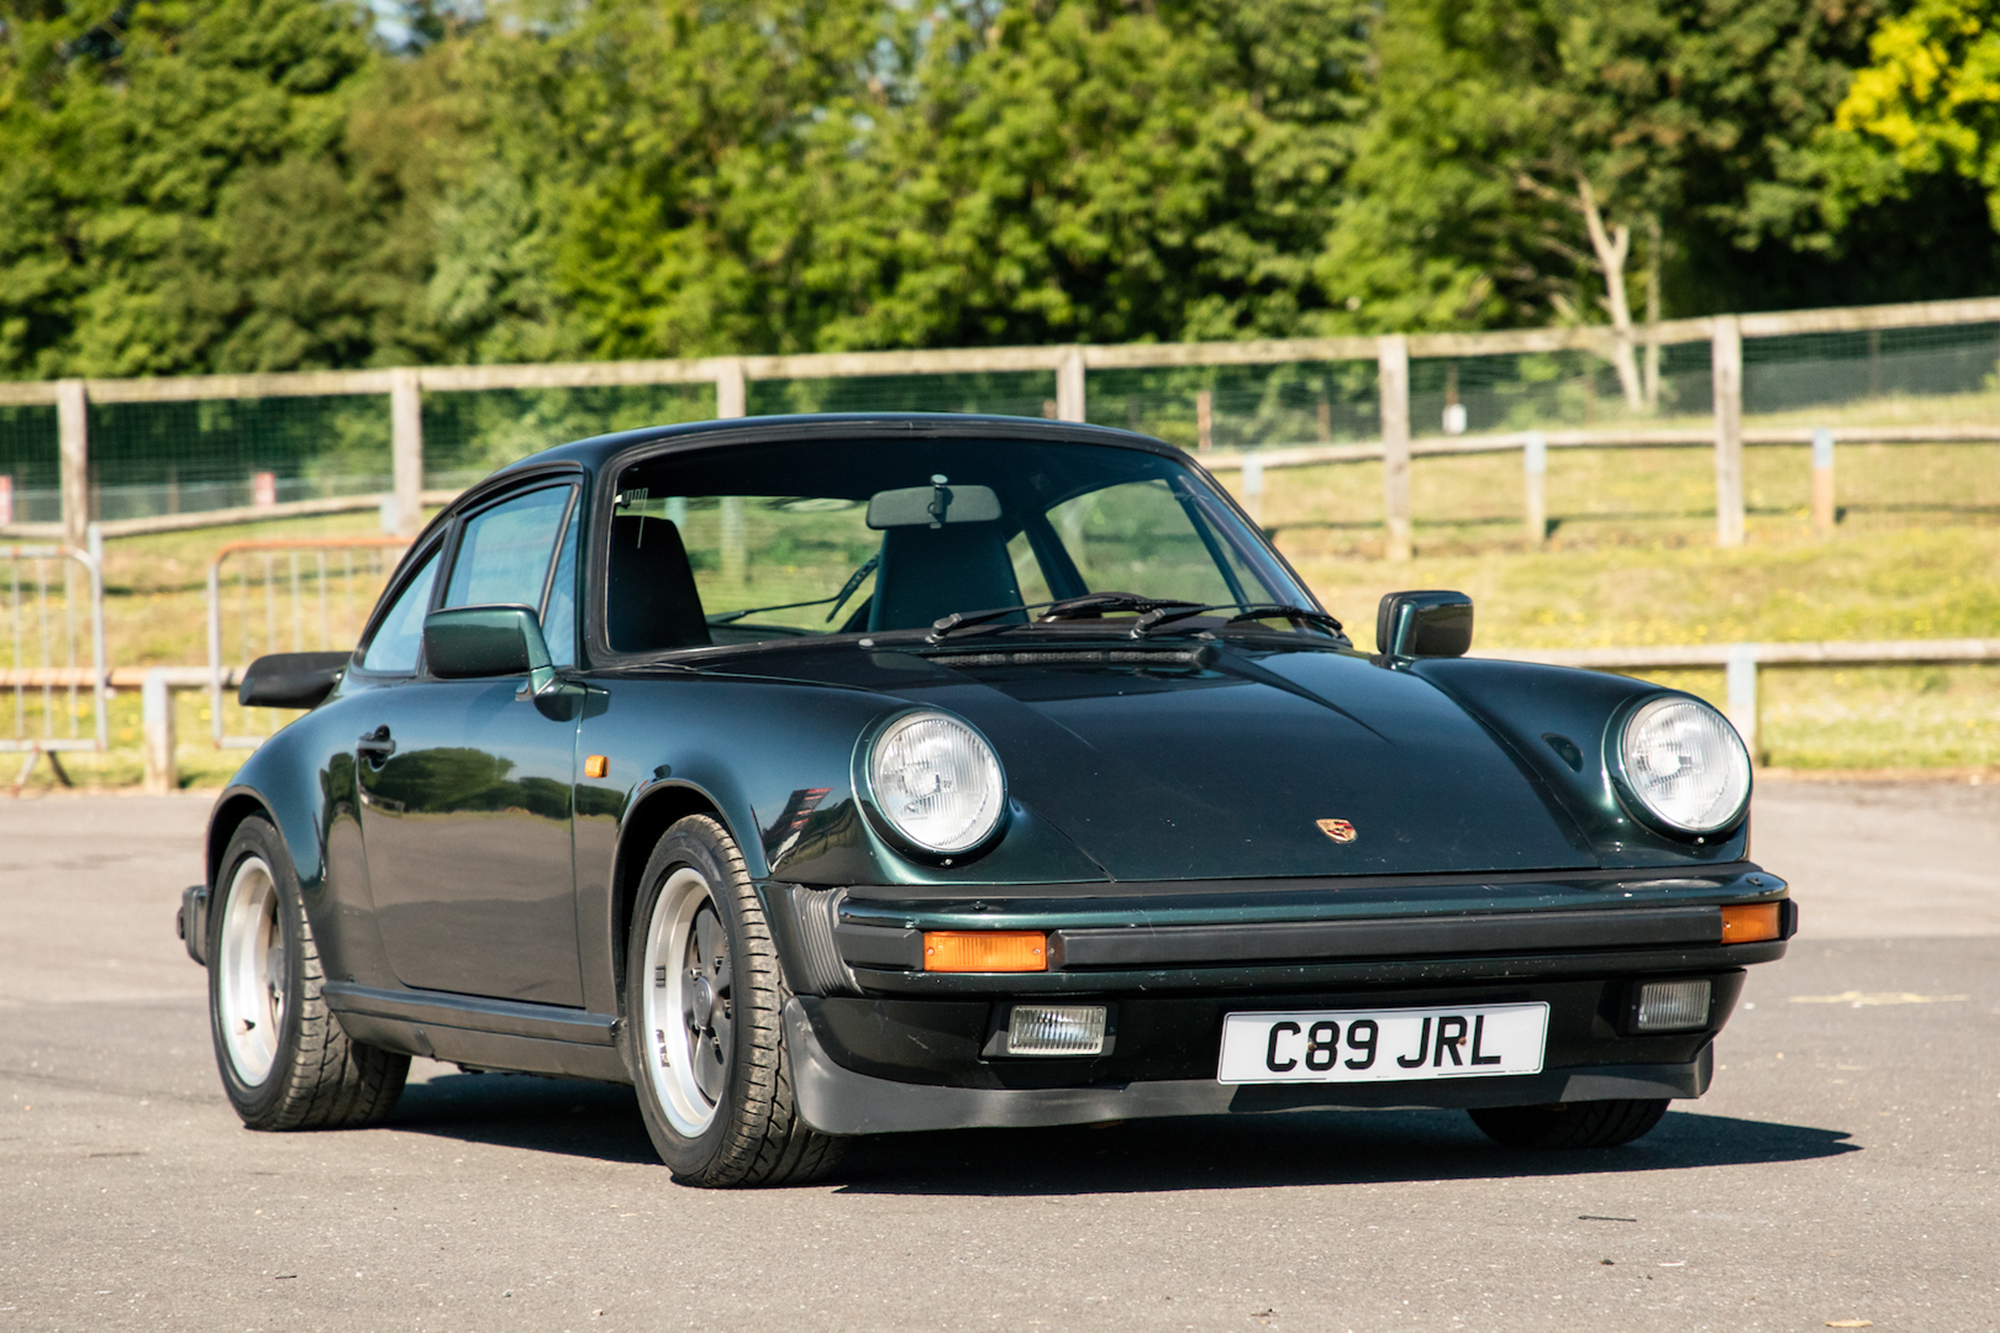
<point>1685,764</point>
<point>937,782</point>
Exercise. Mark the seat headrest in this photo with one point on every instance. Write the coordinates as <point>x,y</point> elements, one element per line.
<point>651,603</point>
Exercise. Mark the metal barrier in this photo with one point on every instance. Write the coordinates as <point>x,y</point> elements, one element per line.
<point>324,602</point>
<point>49,668</point>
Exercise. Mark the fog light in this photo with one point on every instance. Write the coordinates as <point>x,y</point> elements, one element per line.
<point>1056,1029</point>
<point>1671,1006</point>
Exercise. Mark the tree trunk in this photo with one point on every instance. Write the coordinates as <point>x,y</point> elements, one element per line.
<point>1612,247</point>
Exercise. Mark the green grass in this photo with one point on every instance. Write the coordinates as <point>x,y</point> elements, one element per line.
<point>1631,560</point>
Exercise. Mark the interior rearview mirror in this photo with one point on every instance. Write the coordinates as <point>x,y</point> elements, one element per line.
<point>1433,623</point>
<point>471,642</point>
<point>932,506</point>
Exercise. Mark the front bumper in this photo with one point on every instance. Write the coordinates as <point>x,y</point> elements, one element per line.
<point>837,1100</point>
<point>880,1044</point>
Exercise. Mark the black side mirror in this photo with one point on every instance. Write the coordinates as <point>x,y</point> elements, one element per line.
<point>469,642</point>
<point>291,680</point>
<point>1424,624</point>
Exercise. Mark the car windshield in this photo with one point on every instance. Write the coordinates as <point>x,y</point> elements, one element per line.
<point>816,537</point>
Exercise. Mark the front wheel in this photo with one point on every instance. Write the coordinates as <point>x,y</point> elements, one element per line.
<point>1570,1124</point>
<point>705,1000</point>
<point>285,1062</point>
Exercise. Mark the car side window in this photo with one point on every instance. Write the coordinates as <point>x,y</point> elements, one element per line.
<point>504,552</point>
<point>400,636</point>
<point>559,619</point>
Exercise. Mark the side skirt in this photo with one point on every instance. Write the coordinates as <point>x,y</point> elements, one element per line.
<point>486,1034</point>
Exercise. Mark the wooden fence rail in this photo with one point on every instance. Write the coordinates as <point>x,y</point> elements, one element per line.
<point>1070,365</point>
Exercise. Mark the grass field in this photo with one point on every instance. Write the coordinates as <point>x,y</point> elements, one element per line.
<point>1631,560</point>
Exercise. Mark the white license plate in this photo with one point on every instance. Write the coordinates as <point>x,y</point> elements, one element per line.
<point>1383,1045</point>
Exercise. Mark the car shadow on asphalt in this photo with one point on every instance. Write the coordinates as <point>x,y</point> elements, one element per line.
<point>1304,1148</point>
<point>567,1117</point>
<point>601,1121</point>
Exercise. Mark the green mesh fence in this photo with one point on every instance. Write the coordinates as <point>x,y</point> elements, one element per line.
<point>1028,394</point>
<point>149,459</point>
<point>469,434</point>
<point>1921,375</point>
<point>1555,391</point>
<point>29,462</point>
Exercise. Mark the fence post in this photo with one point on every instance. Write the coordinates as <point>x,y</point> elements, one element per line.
<point>732,400</point>
<point>1535,477</point>
<point>1822,481</point>
<point>732,395</point>
<point>93,543</point>
<point>1393,357</point>
<point>1253,489</point>
<point>1726,363</point>
<point>157,713</point>
<point>1742,687</point>
<point>406,449</point>
<point>1204,420</point>
<point>73,439</point>
<point>1069,386</point>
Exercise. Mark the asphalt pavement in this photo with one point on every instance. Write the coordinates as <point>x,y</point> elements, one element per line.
<point>1843,1168</point>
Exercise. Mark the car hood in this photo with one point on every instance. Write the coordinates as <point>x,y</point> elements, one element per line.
<point>1221,763</point>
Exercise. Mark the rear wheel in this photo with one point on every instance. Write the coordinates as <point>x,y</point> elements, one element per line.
<point>1570,1124</point>
<point>705,1000</point>
<point>285,1062</point>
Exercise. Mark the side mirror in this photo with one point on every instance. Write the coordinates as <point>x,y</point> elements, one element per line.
<point>470,642</point>
<point>291,680</point>
<point>1424,624</point>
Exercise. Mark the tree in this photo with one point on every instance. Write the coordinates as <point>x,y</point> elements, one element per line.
<point>197,186</point>
<point>1519,148</point>
<point>1928,104</point>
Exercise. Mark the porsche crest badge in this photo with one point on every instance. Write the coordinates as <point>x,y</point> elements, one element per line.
<point>1337,829</point>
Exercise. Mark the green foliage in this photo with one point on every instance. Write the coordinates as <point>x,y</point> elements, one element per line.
<point>1927,104</point>
<point>203,185</point>
<point>214,185</point>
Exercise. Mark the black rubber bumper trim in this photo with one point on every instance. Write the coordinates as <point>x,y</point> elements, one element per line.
<point>836,1100</point>
<point>1384,937</point>
<point>1335,974</point>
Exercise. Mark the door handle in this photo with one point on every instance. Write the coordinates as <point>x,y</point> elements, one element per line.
<point>376,744</point>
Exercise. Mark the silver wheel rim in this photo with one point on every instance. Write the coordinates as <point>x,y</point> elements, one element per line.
<point>251,972</point>
<point>689,1002</point>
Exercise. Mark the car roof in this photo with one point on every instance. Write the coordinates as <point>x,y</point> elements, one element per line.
<point>597,451</point>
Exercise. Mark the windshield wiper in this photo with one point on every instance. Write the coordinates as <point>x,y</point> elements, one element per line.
<point>839,599</point>
<point>1062,608</point>
<point>1246,611</point>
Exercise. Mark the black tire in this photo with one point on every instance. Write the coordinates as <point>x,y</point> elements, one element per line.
<point>706,1041</point>
<point>1571,1124</point>
<point>308,1075</point>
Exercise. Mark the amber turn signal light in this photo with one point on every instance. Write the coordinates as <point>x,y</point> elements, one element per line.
<point>596,765</point>
<point>1746,923</point>
<point>986,951</point>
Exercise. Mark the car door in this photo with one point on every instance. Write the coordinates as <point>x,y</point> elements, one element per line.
<point>466,784</point>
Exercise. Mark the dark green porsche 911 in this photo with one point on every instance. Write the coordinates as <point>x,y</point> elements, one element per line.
<point>828,776</point>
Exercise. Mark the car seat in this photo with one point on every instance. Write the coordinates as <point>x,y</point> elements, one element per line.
<point>927,573</point>
<point>651,603</point>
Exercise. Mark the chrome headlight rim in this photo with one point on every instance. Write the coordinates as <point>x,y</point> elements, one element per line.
<point>1623,724</point>
<point>893,833</point>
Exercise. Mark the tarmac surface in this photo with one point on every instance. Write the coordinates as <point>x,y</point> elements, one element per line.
<point>1843,1168</point>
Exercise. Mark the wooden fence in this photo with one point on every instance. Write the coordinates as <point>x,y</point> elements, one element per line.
<point>1071,366</point>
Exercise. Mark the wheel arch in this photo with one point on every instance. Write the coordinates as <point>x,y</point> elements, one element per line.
<point>651,816</point>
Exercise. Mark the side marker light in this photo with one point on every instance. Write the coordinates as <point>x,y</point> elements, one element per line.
<point>1747,923</point>
<point>986,951</point>
<point>596,765</point>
